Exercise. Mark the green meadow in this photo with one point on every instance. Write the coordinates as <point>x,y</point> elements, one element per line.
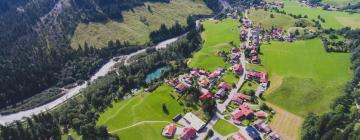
<point>225,128</point>
<point>262,18</point>
<point>339,3</point>
<point>142,116</point>
<point>217,36</point>
<point>137,23</point>
<point>333,19</point>
<point>310,78</point>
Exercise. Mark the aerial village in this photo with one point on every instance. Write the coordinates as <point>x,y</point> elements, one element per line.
<point>243,110</point>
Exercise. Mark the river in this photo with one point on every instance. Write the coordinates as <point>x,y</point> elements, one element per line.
<point>105,69</point>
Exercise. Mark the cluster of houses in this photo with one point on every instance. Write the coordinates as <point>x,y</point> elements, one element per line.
<point>192,125</point>
<point>277,3</point>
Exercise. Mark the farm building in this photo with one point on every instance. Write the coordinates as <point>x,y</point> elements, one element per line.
<point>194,121</point>
<point>169,130</point>
<point>188,133</point>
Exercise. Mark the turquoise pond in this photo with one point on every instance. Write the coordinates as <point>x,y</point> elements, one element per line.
<point>155,74</point>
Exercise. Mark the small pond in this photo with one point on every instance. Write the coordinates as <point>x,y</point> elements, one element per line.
<point>155,74</point>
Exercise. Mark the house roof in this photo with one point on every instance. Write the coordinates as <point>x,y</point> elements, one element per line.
<point>194,121</point>
<point>204,82</point>
<point>224,86</point>
<point>181,87</point>
<point>188,133</point>
<point>238,67</point>
<point>260,114</point>
<point>238,136</point>
<point>274,136</point>
<point>206,94</point>
<point>246,110</point>
<point>170,129</point>
<point>252,132</point>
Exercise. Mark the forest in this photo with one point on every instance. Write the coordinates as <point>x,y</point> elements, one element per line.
<point>81,113</point>
<point>35,51</point>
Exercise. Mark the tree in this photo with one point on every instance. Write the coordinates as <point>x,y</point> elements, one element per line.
<point>271,15</point>
<point>164,109</point>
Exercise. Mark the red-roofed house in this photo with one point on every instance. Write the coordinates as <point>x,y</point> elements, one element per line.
<point>238,136</point>
<point>261,114</point>
<point>238,69</point>
<point>169,130</point>
<point>261,77</point>
<point>181,88</point>
<point>204,83</point>
<point>173,82</point>
<point>244,111</point>
<point>206,94</point>
<point>213,75</point>
<point>188,133</point>
<point>224,86</point>
<point>239,98</point>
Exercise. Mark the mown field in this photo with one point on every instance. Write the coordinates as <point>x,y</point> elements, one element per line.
<point>217,36</point>
<point>225,128</point>
<point>333,19</point>
<point>138,23</point>
<point>309,77</point>
<point>142,116</point>
<point>262,18</point>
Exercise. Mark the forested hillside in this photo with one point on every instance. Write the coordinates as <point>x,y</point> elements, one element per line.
<point>35,51</point>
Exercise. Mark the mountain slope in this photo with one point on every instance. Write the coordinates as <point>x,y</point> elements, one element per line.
<point>35,51</point>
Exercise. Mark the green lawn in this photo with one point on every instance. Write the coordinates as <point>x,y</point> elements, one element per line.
<point>249,85</point>
<point>261,17</point>
<point>216,36</point>
<point>230,78</point>
<point>334,19</point>
<point>311,78</point>
<point>133,29</point>
<point>224,128</point>
<point>126,118</point>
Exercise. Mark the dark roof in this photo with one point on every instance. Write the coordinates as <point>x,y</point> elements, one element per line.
<point>252,132</point>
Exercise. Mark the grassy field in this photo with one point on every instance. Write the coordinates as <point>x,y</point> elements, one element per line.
<point>339,3</point>
<point>216,36</point>
<point>333,19</point>
<point>249,85</point>
<point>286,124</point>
<point>142,116</point>
<point>230,78</point>
<point>132,29</point>
<point>309,77</point>
<point>224,128</point>
<point>261,17</point>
